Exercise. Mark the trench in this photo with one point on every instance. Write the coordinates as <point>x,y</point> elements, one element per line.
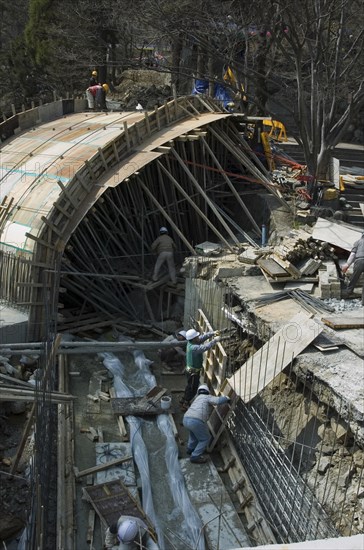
<point>312,472</point>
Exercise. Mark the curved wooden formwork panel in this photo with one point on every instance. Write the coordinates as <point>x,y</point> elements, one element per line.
<point>142,148</point>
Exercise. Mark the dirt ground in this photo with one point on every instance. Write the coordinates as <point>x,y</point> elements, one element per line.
<point>14,489</point>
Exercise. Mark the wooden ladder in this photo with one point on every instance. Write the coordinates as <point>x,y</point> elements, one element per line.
<point>221,414</point>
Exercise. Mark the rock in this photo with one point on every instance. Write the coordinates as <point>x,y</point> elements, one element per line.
<point>327,449</point>
<point>358,458</point>
<point>323,465</point>
<point>327,435</point>
<point>9,526</point>
<point>18,407</point>
<point>341,430</point>
<point>344,479</point>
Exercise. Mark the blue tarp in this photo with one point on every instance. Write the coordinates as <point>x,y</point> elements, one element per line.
<point>200,87</point>
<point>221,93</point>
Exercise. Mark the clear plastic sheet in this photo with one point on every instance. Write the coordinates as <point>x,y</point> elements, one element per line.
<point>140,454</point>
<point>193,526</point>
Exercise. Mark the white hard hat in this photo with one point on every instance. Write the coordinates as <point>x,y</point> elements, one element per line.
<point>182,333</point>
<point>128,531</point>
<point>163,230</point>
<point>203,389</point>
<point>191,334</point>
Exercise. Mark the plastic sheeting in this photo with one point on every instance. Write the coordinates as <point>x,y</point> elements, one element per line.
<point>221,92</point>
<point>140,454</point>
<point>192,526</point>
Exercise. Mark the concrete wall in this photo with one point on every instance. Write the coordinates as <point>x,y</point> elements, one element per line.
<point>42,113</point>
<point>13,326</point>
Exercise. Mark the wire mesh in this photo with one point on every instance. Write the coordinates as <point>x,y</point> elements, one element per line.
<point>289,505</point>
<point>296,449</point>
<point>41,532</point>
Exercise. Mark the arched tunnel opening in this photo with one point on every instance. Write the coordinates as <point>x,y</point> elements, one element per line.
<point>197,188</point>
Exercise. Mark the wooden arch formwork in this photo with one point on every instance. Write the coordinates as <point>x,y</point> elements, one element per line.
<point>118,178</point>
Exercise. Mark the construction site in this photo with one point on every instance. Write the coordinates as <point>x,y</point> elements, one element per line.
<point>92,427</point>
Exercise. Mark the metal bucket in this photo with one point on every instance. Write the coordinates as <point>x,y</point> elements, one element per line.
<point>166,402</point>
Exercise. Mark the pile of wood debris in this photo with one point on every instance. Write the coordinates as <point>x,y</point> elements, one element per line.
<point>302,262</point>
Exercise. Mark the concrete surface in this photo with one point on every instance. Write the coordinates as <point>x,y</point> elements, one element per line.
<point>222,526</point>
<point>342,543</point>
<point>13,325</point>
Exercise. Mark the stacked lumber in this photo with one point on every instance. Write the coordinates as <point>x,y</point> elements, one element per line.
<point>299,258</point>
<point>299,249</point>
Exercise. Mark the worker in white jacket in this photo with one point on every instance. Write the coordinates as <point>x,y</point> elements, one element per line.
<point>129,533</point>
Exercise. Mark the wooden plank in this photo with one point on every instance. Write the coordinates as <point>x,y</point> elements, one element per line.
<point>111,500</point>
<point>262,367</point>
<point>272,268</point>
<point>218,420</point>
<point>136,407</point>
<point>340,321</point>
<point>121,424</point>
<point>124,471</point>
<point>285,264</point>
<point>100,467</point>
<point>90,526</point>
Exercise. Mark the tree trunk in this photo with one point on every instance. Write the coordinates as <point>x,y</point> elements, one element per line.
<point>176,60</point>
<point>323,163</point>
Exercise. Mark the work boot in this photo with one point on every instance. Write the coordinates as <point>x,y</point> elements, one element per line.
<point>198,459</point>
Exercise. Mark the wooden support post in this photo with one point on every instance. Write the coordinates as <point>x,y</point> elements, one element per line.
<point>114,148</point>
<point>231,186</point>
<point>194,206</point>
<point>127,136</point>
<point>26,432</point>
<point>167,217</point>
<point>102,156</point>
<point>206,198</point>
<point>166,110</point>
<point>147,123</point>
<point>156,110</point>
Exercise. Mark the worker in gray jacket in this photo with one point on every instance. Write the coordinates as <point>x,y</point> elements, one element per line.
<point>164,246</point>
<point>356,256</point>
<point>195,420</point>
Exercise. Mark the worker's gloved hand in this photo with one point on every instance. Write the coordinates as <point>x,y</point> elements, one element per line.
<point>217,333</point>
<point>344,268</point>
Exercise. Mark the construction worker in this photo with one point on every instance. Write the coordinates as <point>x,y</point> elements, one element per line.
<point>164,246</point>
<point>96,96</point>
<point>93,79</point>
<point>195,420</point>
<point>129,533</point>
<point>194,357</point>
<point>356,257</point>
